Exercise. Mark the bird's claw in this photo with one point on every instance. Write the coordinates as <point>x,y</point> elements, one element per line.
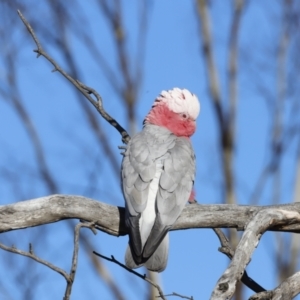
<point>124,148</point>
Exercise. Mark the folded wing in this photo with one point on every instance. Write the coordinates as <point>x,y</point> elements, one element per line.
<point>175,186</point>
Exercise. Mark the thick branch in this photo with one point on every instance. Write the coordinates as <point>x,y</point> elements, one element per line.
<point>288,289</point>
<point>110,219</point>
<point>265,219</point>
<point>227,250</point>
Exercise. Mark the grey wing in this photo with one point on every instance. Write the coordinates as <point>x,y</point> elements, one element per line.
<point>175,187</point>
<point>138,169</point>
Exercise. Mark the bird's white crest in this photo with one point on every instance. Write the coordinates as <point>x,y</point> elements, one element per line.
<point>180,101</point>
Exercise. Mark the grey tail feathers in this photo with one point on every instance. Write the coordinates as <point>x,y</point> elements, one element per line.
<point>157,262</point>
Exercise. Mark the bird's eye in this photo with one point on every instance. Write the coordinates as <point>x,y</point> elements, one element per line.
<point>185,116</point>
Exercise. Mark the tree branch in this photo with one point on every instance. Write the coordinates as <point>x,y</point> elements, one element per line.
<point>112,259</point>
<point>288,289</point>
<point>180,296</point>
<point>212,73</point>
<point>261,222</point>
<point>75,256</point>
<point>81,87</point>
<point>68,277</point>
<point>31,255</point>
<point>110,219</point>
<point>227,250</point>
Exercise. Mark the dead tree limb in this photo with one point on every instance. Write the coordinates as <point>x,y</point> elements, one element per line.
<point>254,220</point>
<point>261,222</point>
<point>110,219</point>
<point>288,289</point>
<point>229,252</point>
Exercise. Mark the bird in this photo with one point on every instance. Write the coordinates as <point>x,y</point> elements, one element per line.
<point>157,174</point>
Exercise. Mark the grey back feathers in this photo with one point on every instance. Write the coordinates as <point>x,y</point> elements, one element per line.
<point>158,171</point>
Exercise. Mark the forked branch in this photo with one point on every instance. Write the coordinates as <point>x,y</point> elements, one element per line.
<point>261,222</point>
<point>229,252</point>
<point>68,277</point>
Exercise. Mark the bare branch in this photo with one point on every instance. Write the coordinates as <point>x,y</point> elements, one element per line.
<point>263,220</point>
<point>31,255</point>
<point>75,256</point>
<point>227,250</point>
<point>62,42</point>
<point>101,269</point>
<point>180,296</point>
<point>225,118</point>
<point>262,296</point>
<point>69,277</point>
<point>112,259</point>
<point>214,86</point>
<point>85,91</point>
<point>14,98</point>
<point>111,219</point>
<point>288,289</point>
<point>114,16</point>
<point>233,63</point>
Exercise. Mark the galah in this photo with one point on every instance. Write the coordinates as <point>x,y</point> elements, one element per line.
<point>158,171</point>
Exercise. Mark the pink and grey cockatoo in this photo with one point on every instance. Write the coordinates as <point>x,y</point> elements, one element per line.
<point>158,171</point>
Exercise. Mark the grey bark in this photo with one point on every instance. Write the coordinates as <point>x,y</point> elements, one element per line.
<point>255,220</point>
<point>287,290</point>
<point>110,219</point>
<point>260,223</point>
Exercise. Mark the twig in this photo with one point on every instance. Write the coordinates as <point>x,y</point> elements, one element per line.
<point>86,91</point>
<point>178,295</point>
<point>75,256</point>
<point>227,250</point>
<point>31,255</point>
<point>69,277</point>
<point>102,270</point>
<point>144,277</point>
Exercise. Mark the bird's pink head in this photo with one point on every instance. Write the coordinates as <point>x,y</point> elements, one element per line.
<point>177,110</point>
